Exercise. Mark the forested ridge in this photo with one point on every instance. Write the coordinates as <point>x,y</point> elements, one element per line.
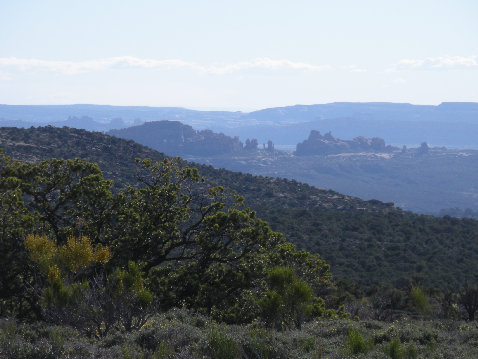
<point>367,242</point>
<point>111,249</point>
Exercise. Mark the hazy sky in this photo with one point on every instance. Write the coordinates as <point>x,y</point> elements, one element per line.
<point>239,55</point>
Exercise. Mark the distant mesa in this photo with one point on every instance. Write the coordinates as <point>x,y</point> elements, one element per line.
<point>327,144</point>
<point>175,138</point>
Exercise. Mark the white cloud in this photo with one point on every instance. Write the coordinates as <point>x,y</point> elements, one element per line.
<point>354,68</point>
<point>399,80</point>
<point>4,76</point>
<point>439,62</point>
<point>266,63</point>
<point>76,67</point>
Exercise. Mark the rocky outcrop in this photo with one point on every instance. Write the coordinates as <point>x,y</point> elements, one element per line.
<point>318,144</point>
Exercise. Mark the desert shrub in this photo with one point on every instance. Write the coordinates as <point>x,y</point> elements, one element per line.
<point>428,337</point>
<point>222,345</point>
<point>395,349</point>
<point>147,339</point>
<point>179,338</point>
<point>93,304</point>
<point>449,306</point>
<point>386,335</point>
<point>41,341</point>
<point>288,301</point>
<point>164,351</point>
<point>257,344</point>
<point>411,352</point>
<point>174,329</point>
<point>307,344</point>
<point>419,300</point>
<point>130,351</point>
<point>468,298</point>
<point>113,338</point>
<point>356,343</point>
<point>8,328</point>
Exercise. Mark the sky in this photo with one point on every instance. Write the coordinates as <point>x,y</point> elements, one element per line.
<point>237,55</point>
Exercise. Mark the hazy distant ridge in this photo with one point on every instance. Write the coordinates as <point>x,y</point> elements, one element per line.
<point>448,124</point>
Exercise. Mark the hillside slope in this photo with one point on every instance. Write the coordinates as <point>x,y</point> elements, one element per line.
<point>423,179</point>
<point>369,242</point>
<point>423,183</point>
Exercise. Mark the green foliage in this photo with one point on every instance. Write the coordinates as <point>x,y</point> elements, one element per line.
<point>9,328</point>
<point>396,350</point>
<point>356,344</point>
<point>129,284</point>
<point>164,351</point>
<point>420,300</point>
<point>89,303</point>
<point>468,297</point>
<point>57,197</point>
<point>74,256</point>
<point>175,226</point>
<point>288,300</point>
<point>176,329</point>
<point>449,305</point>
<point>222,345</point>
<point>62,265</point>
<point>15,222</point>
<point>317,308</point>
<point>257,345</point>
<point>411,352</point>
<point>309,267</point>
<point>366,242</point>
<point>179,228</point>
<point>70,196</point>
<point>341,313</point>
<point>220,249</point>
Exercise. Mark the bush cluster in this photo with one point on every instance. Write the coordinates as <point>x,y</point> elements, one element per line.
<point>96,259</point>
<point>180,333</point>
